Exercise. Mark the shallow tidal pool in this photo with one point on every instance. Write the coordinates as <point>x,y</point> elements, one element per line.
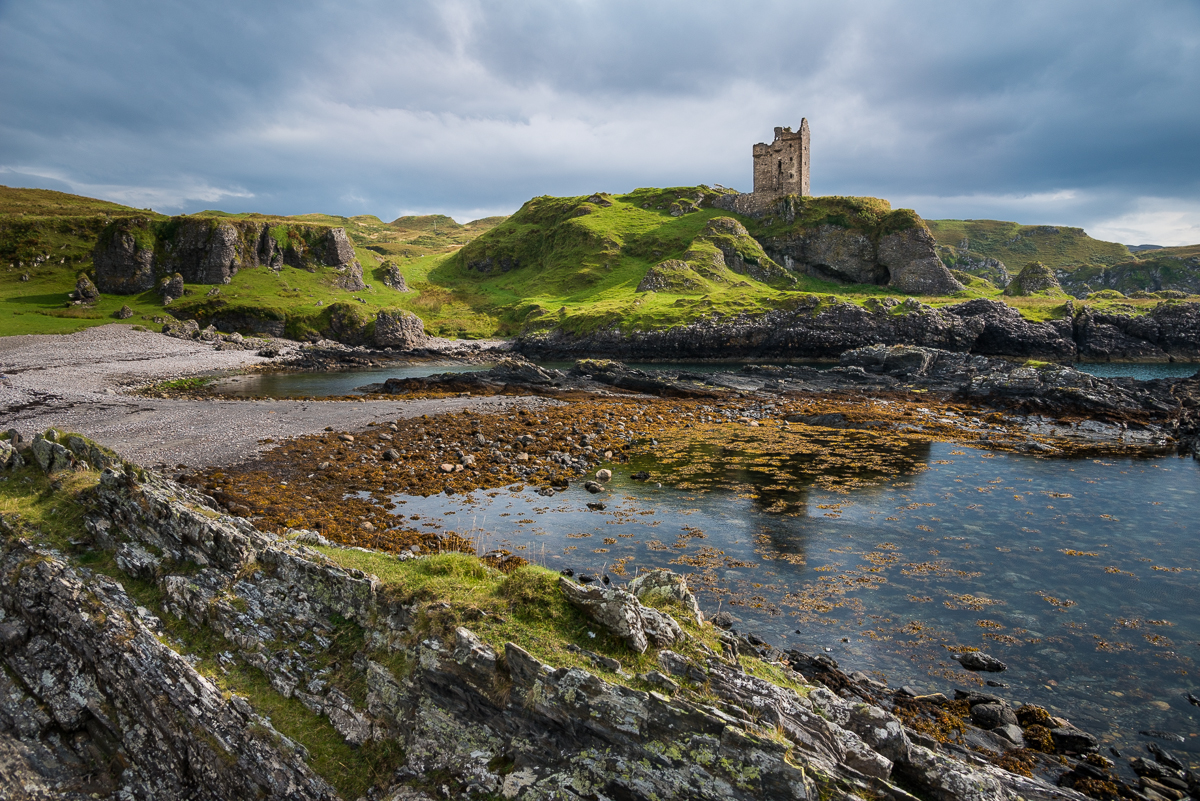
<point>1080,574</point>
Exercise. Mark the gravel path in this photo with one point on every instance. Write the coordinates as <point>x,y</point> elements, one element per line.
<point>78,382</point>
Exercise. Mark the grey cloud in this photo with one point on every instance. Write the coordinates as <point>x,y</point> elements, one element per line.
<point>480,105</point>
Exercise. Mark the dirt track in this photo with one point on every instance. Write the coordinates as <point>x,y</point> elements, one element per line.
<point>79,382</point>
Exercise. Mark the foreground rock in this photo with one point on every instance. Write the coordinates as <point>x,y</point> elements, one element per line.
<point>90,687</point>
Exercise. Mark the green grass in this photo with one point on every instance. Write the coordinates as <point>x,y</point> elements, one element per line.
<point>525,607</point>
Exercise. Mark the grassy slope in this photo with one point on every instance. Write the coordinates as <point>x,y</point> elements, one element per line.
<point>1017,245</point>
<point>580,263</point>
<point>49,237</point>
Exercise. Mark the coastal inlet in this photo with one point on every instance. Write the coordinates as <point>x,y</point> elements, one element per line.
<point>892,554</point>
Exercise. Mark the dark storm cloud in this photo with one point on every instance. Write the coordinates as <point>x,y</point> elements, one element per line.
<point>1077,113</point>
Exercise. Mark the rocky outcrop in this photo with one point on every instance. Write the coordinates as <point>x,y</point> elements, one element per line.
<point>124,258</point>
<point>739,252</point>
<point>672,275</point>
<point>1169,330</point>
<point>913,265</point>
<point>338,249</point>
<point>1036,278</point>
<point>899,252</point>
<point>93,705</point>
<point>397,328</point>
<point>170,287</point>
<point>132,254</point>
<point>825,327</point>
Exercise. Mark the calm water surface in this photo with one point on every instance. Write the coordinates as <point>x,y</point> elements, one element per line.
<point>291,385</point>
<point>1081,575</point>
<point>343,382</point>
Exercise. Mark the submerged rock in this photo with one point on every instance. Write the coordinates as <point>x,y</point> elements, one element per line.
<point>977,660</point>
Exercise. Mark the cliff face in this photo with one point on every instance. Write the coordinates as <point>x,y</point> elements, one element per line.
<point>132,254</point>
<point>857,245</point>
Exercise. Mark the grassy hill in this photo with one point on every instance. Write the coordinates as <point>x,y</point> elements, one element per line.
<point>961,241</point>
<point>576,262</point>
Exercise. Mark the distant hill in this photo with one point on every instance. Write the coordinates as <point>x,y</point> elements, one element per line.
<point>967,244</point>
<point>998,250</point>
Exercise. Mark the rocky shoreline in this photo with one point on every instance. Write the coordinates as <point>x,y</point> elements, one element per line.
<point>441,697</point>
<point>824,328</point>
<point>1046,401</point>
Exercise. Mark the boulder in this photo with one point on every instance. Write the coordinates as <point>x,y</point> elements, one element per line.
<point>123,313</point>
<point>620,612</point>
<point>393,278</point>
<point>991,716</point>
<point>85,290</point>
<point>1068,739</point>
<point>396,328</point>
<point>181,329</point>
<point>10,457</point>
<point>663,583</point>
<point>881,730</point>
<point>171,288</point>
<point>49,455</point>
<point>1035,278</point>
<point>616,610</point>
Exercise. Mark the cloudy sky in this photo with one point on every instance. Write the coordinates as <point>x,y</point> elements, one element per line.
<point>1070,113</point>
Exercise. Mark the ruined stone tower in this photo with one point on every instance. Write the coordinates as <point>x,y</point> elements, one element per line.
<point>781,168</point>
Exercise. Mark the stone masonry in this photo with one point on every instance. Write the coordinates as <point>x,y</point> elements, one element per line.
<point>781,168</point>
